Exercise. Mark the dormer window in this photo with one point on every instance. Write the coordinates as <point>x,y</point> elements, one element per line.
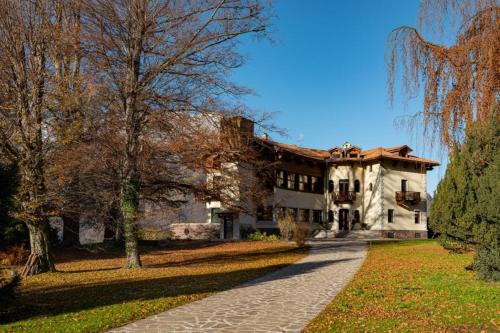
<point>336,155</point>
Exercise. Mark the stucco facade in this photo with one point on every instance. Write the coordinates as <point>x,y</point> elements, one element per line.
<point>381,190</point>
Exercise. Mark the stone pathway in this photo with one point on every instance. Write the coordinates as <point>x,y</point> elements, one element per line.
<point>283,301</point>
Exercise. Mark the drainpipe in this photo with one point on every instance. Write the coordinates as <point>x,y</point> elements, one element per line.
<point>325,182</point>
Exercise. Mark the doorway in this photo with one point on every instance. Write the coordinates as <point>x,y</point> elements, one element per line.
<point>228,226</point>
<point>404,185</point>
<point>344,185</point>
<point>344,219</point>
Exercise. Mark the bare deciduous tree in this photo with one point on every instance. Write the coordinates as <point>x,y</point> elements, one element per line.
<point>161,62</point>
<point>27,81</point>
<point>460,81</point>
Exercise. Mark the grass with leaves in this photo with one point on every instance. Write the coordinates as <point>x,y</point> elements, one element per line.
<point>92,293</point>
<point>413,286</point>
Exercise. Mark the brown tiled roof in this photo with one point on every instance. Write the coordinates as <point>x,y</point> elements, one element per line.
<point>391,153</point>
<point>397,148</point>
<point>380,153</point>
<point>317,154</point>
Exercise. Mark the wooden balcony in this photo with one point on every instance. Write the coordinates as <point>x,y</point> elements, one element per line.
<point>407,197</point>
<point>344,196</point>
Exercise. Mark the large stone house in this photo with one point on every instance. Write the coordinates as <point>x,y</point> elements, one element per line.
<point>381,190</point>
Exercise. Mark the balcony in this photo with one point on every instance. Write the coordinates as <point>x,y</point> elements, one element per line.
<point>407,197</point>
<point>344,196</point>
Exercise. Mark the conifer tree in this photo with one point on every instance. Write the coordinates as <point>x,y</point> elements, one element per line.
<point>465,209</point>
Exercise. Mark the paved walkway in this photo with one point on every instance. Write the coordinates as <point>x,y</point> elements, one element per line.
<point>283,301</point>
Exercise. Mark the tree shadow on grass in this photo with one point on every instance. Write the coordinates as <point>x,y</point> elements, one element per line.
<point>67,255</point>
<point>210,258</point>
<point>77,297</point>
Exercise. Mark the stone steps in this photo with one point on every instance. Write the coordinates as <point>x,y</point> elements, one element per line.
<point>351,234</point>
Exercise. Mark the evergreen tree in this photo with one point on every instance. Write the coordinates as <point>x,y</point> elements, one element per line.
<point>466,208</point>
<point>11,230</point>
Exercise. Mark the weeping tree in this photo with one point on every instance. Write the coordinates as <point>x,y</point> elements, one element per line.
<point>459,80</point>
<point>157,60</point>
<point>27,87</point>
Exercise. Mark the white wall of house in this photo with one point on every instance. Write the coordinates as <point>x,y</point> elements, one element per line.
<point>367,201</point>
<point>404,216</point>
<point>372,199</point>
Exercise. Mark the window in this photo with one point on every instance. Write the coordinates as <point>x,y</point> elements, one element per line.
<point>353,155</point>
<point>371,168</point>
<point>265,213</point>
<point>214,215</point>
<point>356,186</point>
<point>330,216</point>
<point>390,234</point>
<point>303,215</point>
<point>404,185</point>
<point>303,184</point>
<point>290,184</point>
<point>315,184</point>
<point>370,187</point>
<point>344,185</point>
<point>336,155</point>
<point>292,212</point>
<point>280,178</point>
<point>417,235</point>
<point>281,212</point>
<point>317,216</point>
<point>390,215</point>
<point>417,217</point>
<point>331,186</point>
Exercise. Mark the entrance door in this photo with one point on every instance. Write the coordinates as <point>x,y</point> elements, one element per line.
<point>343,219</point>
<point>228,227</point>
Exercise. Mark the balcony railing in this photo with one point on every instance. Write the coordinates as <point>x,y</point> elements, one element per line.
<point>344,196</point>
<point>407,196</point>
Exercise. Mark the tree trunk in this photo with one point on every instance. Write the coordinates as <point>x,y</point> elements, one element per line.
<point>129,208</point>
<point>40,259</point>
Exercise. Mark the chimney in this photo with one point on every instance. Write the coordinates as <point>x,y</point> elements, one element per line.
<point>237,130</point>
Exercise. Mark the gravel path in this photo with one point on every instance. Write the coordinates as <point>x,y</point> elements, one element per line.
<point>283,301</point>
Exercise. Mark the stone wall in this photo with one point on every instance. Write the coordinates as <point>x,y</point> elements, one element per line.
<point>404,234</point>
<point>194,230</point>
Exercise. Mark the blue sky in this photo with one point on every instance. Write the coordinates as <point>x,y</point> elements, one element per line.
<point>325,76</point>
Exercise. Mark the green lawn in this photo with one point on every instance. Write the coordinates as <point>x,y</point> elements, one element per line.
<point>92,293</point>
<point>413,286</point>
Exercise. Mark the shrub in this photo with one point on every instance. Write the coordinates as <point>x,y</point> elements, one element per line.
<point>287,226</point>
<point>301,232</point>
<point>487,263</point>
<point>154,234</point>
<point>246,230</point>
<point>9,281</point>
<point>262,236</point>
<point>14,255</point>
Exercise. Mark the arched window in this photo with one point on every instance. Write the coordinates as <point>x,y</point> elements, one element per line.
<point>371,187</point>
<point>330,216</point>
<point>356,186</point>
<point>330,186</point>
